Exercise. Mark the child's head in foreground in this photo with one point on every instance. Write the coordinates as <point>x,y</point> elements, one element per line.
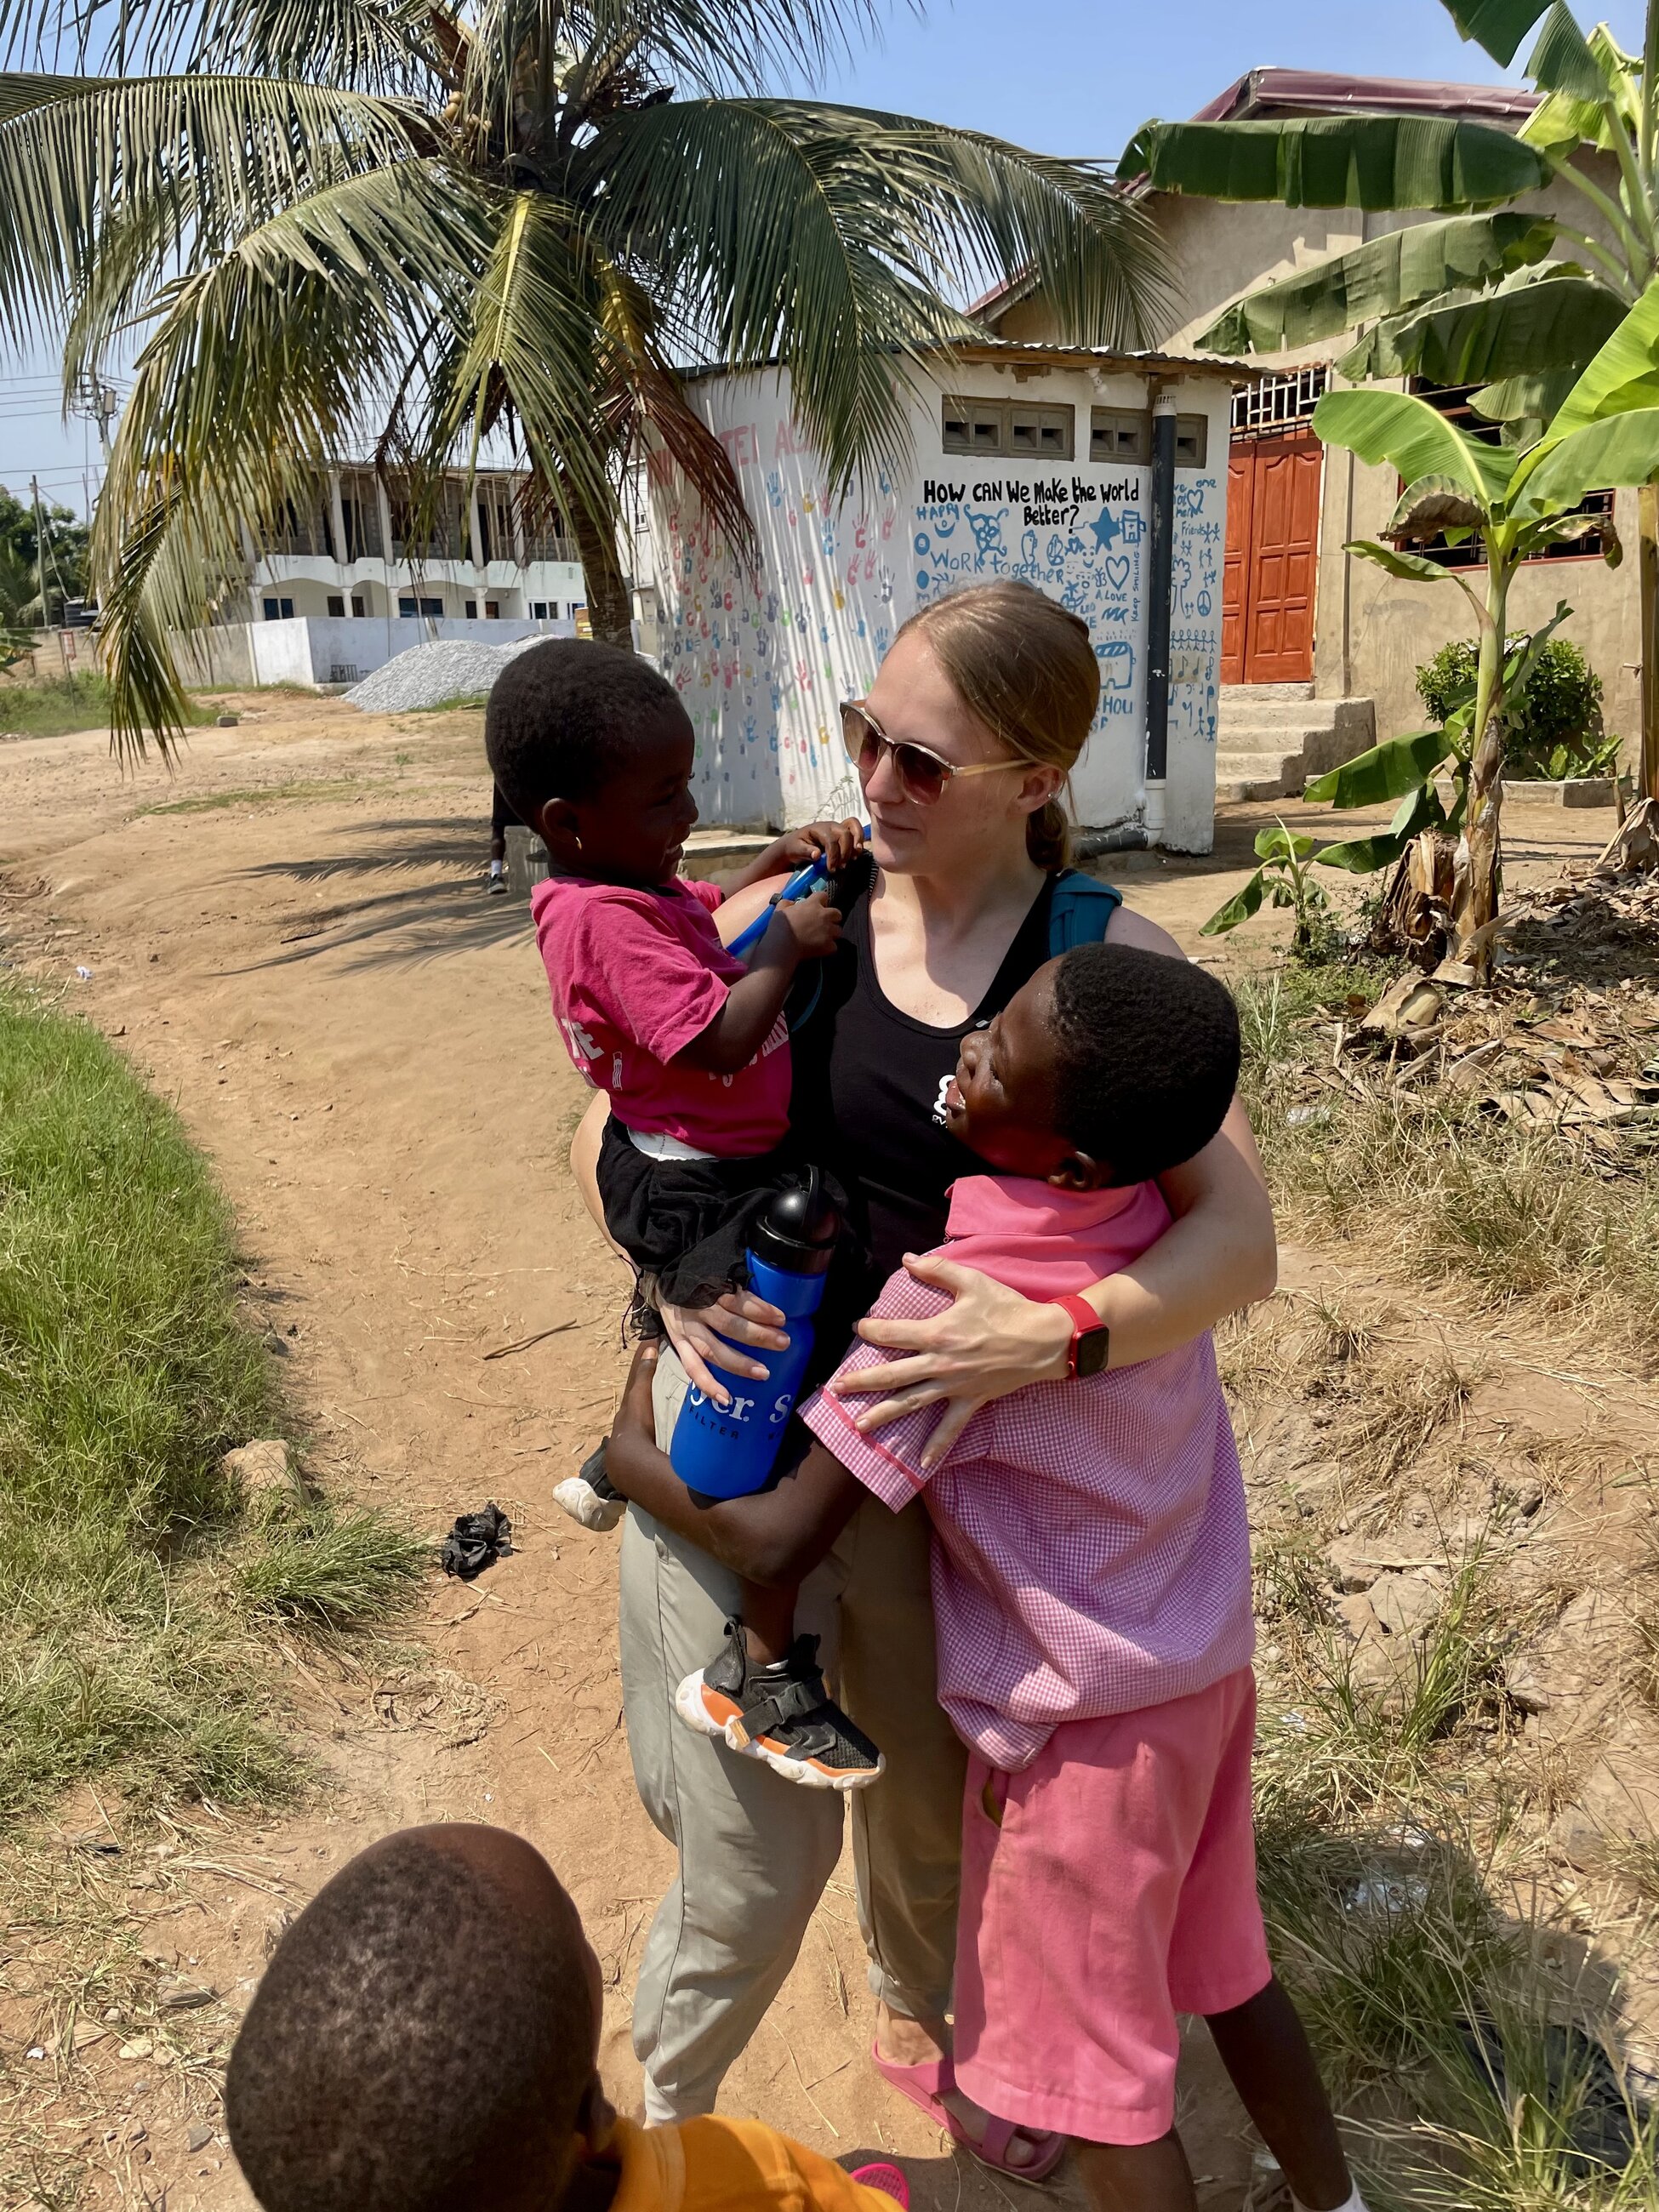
<point>592,749</point>
<point>1110,1065</point>
<point>425,2039</point>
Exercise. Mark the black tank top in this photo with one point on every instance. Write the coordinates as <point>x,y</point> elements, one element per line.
<point>870,1082</point>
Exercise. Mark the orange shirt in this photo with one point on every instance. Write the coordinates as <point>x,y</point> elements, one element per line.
<point>715,2165</point>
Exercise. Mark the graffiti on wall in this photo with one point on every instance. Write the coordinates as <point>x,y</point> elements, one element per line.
<point>762,663</point>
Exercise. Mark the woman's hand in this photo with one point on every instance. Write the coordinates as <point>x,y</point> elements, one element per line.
<point>703,1334</point>
<point>990,1340</point>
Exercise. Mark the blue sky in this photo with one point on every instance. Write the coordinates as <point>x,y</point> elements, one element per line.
<point>1064,76</point>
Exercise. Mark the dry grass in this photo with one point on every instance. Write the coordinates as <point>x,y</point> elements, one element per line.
<point>1441,1191</point>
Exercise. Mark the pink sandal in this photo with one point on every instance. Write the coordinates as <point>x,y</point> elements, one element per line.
<point>927,2086</point>
<point>889,2181</point>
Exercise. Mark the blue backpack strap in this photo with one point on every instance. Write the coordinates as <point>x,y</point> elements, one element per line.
<point>1079,910</point>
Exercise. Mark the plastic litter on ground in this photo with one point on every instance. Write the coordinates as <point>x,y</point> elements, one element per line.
<point>428,674</point>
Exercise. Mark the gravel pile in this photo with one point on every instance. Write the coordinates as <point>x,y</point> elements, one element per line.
<point>428,674</point>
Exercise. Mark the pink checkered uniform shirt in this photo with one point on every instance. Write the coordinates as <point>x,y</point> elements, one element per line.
<point>1090,1547</point>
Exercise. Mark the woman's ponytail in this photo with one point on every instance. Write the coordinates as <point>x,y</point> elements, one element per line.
<point>1024,666</point>
<point>1049,837</point>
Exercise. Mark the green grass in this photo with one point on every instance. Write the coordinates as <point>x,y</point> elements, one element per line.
<point>61,704</point>
<point>51,708</point>
<point>136,1576</point>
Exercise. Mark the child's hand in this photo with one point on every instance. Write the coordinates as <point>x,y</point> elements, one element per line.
<point>813,923</point>
<point>840,843</point>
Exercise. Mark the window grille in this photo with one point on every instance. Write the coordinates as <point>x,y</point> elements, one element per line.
<point>1452,400</point>
<point>1278,400</point>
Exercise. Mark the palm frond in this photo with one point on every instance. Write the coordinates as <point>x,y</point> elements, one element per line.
<point>825,237</point>
<point>253,378</point>
<point>534,330</point>
<point>185,164</point>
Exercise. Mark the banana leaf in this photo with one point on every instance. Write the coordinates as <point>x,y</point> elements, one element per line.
<point>1279,843</point>
<point>1381,162</point>
<point>1388,771</point>
<point>1624,375</point>
<point>1415,439</point>
<point>1524,399</point>
<point>1562,60</point>
<point>1410,567</point>
<point>1499,25</point>
<point>1548,322</point>
<point>1389,275</point>
<point>1428,506</point>
<point>1239,908</point>
<point>1623,450</point>
<point>1363,856</point>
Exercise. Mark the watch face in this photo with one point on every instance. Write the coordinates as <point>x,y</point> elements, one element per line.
<point>1093,1347</point>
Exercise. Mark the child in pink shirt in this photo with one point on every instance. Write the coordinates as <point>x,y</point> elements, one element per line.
<point>593,749</point>
<point>1091,1588</point>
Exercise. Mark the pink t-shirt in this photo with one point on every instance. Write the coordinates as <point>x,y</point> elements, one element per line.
<point>1090,1546</point>
<point>636,974</point>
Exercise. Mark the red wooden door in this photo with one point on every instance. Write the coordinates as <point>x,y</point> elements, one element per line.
<point>1272,560</point>
<point>1236,574</point>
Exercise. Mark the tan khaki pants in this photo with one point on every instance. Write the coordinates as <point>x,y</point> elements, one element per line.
<point>755,1850</point>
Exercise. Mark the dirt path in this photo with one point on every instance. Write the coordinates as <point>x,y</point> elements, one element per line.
<point>291,940</point>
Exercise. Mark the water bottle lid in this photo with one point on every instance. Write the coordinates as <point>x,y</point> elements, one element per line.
<point>799,1229</point>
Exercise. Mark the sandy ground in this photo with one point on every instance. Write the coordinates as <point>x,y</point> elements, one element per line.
<point>290,937</point>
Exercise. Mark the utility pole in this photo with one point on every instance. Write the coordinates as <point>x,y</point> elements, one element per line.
<point>39,552</point>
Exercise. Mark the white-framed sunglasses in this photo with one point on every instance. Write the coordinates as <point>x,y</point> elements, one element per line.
<point>922,773</point>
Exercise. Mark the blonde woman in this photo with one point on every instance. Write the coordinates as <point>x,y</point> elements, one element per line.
<point>963,747</point>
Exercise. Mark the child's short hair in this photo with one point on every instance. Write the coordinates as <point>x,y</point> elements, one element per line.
<point>1146,1061</point>
<point>414,2043</point>
<point>563,716</point>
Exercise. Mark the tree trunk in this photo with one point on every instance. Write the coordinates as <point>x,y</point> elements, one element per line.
<point>1479,852</point>
<point>1648,510</point>
<point>610,601</point>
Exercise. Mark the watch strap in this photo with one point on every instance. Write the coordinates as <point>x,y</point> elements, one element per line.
<point>1085,1321</point>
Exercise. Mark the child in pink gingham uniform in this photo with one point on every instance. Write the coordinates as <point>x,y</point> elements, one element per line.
<point>1091,1594</point>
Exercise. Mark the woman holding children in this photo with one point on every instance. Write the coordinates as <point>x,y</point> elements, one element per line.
<point>949,933</point>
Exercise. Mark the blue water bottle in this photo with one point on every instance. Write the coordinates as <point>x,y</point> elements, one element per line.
<point>726,1452</point>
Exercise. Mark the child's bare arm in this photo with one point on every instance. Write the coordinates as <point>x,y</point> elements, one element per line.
<point>839,841</point>
<point>806,929</point>
<point>774,1536</point>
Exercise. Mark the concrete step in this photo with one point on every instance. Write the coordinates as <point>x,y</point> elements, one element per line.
<point>1285,693</point>
<point>1271,764</point>
<point>1273,738</point>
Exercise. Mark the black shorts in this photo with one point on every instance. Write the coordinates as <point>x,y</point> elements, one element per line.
<point>686,1224</point>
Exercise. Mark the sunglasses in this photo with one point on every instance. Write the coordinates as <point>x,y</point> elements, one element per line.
<point>922,773</point>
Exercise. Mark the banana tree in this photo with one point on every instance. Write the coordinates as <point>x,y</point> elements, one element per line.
<point>408,225</point>
<point>1519,499</point>
<point>1509,298</point>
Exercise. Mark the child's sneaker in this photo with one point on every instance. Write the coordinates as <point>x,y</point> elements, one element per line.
<point>782,1713</point>
<point>589,1496</point>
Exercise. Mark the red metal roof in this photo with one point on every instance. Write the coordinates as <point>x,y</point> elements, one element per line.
<point>1267,92</point>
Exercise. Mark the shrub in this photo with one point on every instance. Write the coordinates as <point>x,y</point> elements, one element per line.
<point>1554,730</point>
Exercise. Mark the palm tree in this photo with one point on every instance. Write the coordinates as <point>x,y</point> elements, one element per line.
<point>420,224</point>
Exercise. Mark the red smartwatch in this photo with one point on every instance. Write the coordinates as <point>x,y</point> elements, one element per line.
<point>1090,1337</point>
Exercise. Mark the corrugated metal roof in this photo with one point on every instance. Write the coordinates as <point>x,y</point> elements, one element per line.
<point>1267,92</point>
<point>1012,351</point>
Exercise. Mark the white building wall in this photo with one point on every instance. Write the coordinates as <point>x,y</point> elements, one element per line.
<point>311,650</point>
<point>762,667</point>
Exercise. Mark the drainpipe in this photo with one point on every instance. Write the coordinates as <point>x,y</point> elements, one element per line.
<point>1161,563</point>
